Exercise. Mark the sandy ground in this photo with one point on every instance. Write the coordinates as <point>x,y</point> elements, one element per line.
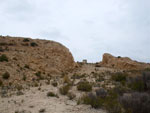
<point>33,100</point>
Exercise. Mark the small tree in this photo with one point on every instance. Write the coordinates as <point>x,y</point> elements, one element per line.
<point>3,58</point>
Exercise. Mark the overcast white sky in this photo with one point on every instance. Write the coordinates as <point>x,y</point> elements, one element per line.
<point>88,28</point>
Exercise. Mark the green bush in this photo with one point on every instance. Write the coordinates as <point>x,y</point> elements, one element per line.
<point>71,95</point>
<point>35,84</point>
<point>26,40</point>
<point>55,84</point>
<point>78,76</point>
<point>3,58</point>
<point>19,87</point>
<point>33,44</point>
<point>111,103</point>
<point>1,49</point>
<point>120,90</point>
<point>140,83</point>
<point>38,74</point>
<point>92,100</point>
<point>146,80</point>
<point>112,106</point>
<point>84,86</point>
<point>24,78</point>
<point>147,69</point>
<point>99,79</point>
<point>6,75</point>
<point>3,44</point>
<point>1,82</point>
<point>136,102</point>
<point>119,57</point>
<point>51,94</point>
<point>64,89</point>
<point>42,111</point>
<point>137,86</point>
<point>26,66</point>
<point>101,93</point>
<point>119,77</point>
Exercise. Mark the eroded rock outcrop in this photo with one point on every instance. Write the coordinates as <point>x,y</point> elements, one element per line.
<point>124,63</point>
<point>29,56</point>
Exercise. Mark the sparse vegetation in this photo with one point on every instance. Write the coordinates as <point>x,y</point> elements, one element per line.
<point>119,77</point>
<point>42,110</point>
<point>19,87</point>
<point>33,44</point>
<point>109,102</point>
<point>136,102</point>
<point>26,40</point>
<point>84,86</point>
<point>119,57</point>
<point>24,78</point>
<point>51,94</point>
<point>36,84</point>
<point>140,83</point>
<point>47,82</point>
<point>101,92</point>
<point>1,49</point>
<point>66,79</point>
<point>147,70</point>
<point>3,58</point>
<point>137,85</point>
<point>3,44</point>
<point>78,76</point>
<point>71,95</point>
<point>39,75</point>
<point>107,85</point>
<point>54,83</point>
<point>1,82</point>
<point>99,79</point>
<point>6,75</point>
<point>26,66</point>
<point>64,89</point>
<point>92,100</point>
<point>19,93</point>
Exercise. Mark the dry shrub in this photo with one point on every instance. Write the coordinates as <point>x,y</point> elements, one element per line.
<point>136,102</point>
<point>64,89</point>
<point>84,86</point>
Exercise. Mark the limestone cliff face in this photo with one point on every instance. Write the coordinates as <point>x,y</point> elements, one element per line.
<point>124,63</point>
<point>28,56</point>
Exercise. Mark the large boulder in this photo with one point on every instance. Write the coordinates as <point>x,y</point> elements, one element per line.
<point>124,63</point>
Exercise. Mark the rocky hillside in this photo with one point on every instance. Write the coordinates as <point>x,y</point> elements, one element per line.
<point>24,58</point>
<point>38,76</point>
<point>124,63</point>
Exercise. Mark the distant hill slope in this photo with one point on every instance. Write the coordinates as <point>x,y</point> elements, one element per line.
<point>124,63</point>
<point>24,57</point>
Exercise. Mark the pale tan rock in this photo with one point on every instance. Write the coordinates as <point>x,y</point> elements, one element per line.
<point>124,63</point>
<point>48,57</point>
